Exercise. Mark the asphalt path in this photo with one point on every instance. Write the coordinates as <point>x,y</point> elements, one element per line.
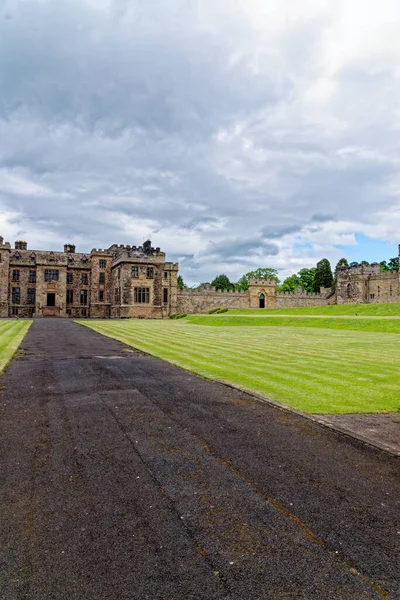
<point>124,477</point>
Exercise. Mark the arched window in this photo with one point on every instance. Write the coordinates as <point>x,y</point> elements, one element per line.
<point>262,300</point>
<point>379,290</point>
<point>349,291</point>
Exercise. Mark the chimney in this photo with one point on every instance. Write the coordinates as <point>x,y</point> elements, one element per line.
<point>69,248</point>
<point>21,245</point>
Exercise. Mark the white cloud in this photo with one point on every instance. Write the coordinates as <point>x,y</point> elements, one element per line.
<point>236,133</point>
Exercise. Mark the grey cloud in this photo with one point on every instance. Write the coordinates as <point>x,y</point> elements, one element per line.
<point>141,119</point>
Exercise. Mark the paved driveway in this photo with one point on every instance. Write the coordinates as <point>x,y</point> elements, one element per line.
<point>127,478</point>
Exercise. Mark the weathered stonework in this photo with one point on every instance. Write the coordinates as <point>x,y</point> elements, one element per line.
<point>129,281</point>
<point>367,285</point>
<point>101,284</point>
<point>201,301</point>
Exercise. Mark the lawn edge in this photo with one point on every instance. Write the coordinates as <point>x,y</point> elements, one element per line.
<point>310,417</point>
<point>263,399</point>
<point>4,364</point>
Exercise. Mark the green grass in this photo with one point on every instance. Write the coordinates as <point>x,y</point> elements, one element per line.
<point>311,369</point>
<point>373,310</point>
<point>376,324</point>
<point>11,335</point>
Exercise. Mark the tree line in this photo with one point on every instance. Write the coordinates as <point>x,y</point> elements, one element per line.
<point>309,280</point>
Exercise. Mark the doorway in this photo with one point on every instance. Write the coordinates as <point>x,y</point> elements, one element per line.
<point>51,299</point>
<point>262,301</point>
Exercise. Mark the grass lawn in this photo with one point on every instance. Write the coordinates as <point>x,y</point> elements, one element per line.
<point>310,368</point>
<point>373,310</point>
<point>11,335</point>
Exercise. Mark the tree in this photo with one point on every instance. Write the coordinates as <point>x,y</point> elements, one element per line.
<point>243,284</point>
<point>364,263</point>
<point>221,282</point>
<point>290,284</point>
<point>264,273</point>
<point>342,263</point>
<point>354,264</point>
<point>393,264</point>
<point>306,277</point>
<point>181,284</point>
<point>384,266</point>
<point>323,275</point>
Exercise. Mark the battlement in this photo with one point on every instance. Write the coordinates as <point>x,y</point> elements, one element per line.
<point>373,268</point>
<point>262,282</point>
<point>212,291</point>
<point>300,295</point>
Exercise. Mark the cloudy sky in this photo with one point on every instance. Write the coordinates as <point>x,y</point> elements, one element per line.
<point>233,133</point>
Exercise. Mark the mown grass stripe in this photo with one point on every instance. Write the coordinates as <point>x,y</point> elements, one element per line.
<point>315,370</point>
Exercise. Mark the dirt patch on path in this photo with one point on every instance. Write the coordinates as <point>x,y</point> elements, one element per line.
<point>382,430</point>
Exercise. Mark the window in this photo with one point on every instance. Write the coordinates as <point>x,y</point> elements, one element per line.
<point>83,312</point>
<point>32,276</point>
<point>15,275</point>
<point>349,291</point>
<point>390,291</point>
<point>150,272</point>
<point>31,296</point>
<point>69,277</point>
<point>141,295</point>
<point>84,296</point>
<point>103,264</point>
<point>135,272</point>
<point>165,295</point>
<point>101,295</point>
<point>379,291</point>
<point>50,275</point>
<point>165,275</point>
<point>16,295</point>
<point>102,277</point>
<point>372,296</point>
<point>117,295</point>
<point>70,296</point>
<point>84,278</point>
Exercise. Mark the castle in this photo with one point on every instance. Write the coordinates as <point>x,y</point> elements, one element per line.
<point>137,281</point>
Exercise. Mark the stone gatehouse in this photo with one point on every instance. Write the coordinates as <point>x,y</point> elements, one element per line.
<point>137,281</point>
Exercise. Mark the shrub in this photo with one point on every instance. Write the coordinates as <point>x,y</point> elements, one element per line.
<point>212,311</point>
<point>222,310</point>
<point>181,316</point>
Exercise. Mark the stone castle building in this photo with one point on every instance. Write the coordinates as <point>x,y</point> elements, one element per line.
<point>130,281</point>
<point>121,281</point>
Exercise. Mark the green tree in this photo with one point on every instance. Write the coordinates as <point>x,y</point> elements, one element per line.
<point>181,284</point>
<point>221,282</point>
<point>290,284</point>
<point>323,275</point>
<point>243,284</point>
<point>384,266</point>
<point>354,264</point>
<point>364,263</point>
<point>306,277</point>
<point>393,264</point>
<point>264,273</point>
<point>261,273</point>
<point>343,262</point>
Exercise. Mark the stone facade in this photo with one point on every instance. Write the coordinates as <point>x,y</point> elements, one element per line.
<point>366,285</point>
<point>129,281</point>
<point>201,301</point>
<point>121,281</point>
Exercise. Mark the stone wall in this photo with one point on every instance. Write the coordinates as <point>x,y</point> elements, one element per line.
<point>201,301</point>
<point>367,285</point>
<point>296,300</point>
